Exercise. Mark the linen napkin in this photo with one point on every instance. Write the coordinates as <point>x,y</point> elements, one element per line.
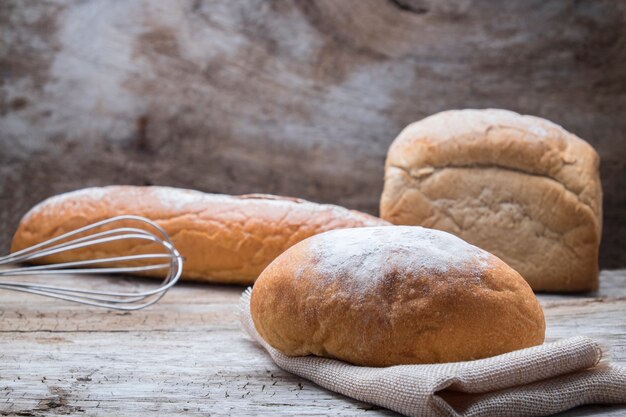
<point>537,381</point>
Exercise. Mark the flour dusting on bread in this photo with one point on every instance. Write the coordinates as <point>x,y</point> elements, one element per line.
<point>371,254</point>
<point>179,199</point>
<point>93,194</point>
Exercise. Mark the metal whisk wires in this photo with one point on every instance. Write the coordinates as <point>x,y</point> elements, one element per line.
<point>169,260</point>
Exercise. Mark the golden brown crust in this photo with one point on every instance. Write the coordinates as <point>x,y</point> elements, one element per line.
<point>518,186</point>
<point>394,295</point>
<point>226,239</point>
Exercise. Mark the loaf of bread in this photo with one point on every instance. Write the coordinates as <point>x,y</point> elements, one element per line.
<point>382,296</point>
<point>518,186</point>
<point>226,239</point>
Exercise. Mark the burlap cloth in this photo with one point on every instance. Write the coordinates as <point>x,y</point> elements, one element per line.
<point>537,381</point>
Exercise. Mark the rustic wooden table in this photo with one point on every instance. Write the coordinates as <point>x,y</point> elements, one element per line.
<point>187,354</point>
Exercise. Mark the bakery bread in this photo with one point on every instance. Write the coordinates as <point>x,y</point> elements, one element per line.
<point>518,186</point>
<point>226,239</point>
<point>382,296</point>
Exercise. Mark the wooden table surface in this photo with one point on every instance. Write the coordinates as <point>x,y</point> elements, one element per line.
<point>187,355</point>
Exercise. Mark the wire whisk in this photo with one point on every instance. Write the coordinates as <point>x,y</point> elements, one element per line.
<point>169,260</point>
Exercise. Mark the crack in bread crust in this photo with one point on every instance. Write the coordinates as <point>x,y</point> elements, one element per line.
<point>436,169</point>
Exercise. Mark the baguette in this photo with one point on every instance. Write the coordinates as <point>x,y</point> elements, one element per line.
<point>224,239</point>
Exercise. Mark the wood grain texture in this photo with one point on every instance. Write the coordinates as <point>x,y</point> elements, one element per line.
<point>289,97</point>
<point>188,355</point>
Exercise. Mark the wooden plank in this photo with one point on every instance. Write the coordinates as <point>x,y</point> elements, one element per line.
<point>187,354</point>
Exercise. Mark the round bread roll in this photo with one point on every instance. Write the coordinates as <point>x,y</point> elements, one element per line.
<point>224,239</point>
<point>382,296</point>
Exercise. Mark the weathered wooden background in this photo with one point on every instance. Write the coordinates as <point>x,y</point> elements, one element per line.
<point>289,97</point>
